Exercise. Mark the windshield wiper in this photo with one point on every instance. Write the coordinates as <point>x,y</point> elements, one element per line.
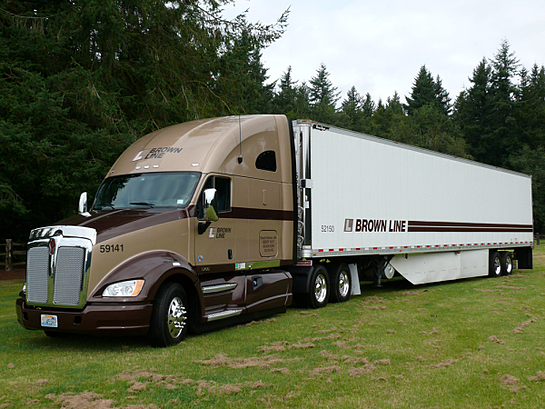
<point>102,205</point>
<point>142,204</point>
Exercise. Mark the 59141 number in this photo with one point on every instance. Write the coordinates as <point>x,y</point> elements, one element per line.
<point>111,248</point>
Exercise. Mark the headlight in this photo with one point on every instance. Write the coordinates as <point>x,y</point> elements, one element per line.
<point>124,289</point>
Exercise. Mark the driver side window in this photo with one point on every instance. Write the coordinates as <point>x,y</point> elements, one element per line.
<point>223,195</point>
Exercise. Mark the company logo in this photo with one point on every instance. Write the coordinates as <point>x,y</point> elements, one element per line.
<point>218,232</point>
<point>375,225</point>
<point>156,153</point>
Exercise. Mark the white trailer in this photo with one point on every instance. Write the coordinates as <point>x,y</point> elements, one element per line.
<point>225,220</point>
<point>368,204</point>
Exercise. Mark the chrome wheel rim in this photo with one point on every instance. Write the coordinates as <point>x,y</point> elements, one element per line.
<point>320,289</point>
<point>508,265</point>
<point>176,317</point>
<point>497,266</point>
<point>344,284</point>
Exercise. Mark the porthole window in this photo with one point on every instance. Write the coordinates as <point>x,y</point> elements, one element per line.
<point>266,161</point>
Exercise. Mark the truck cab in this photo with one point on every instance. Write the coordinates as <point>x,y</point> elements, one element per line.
<point>192,226</point>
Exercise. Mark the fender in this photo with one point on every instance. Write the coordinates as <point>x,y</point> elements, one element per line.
<point>155,268</point>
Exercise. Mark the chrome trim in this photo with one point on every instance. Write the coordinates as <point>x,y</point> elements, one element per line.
<point>65,231</point>
<point>222,315</point>
<point>211,289</point>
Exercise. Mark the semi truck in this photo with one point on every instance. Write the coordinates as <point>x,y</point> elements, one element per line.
<point>223,220</point>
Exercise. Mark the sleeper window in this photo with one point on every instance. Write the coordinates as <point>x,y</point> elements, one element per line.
<point>266,161</point>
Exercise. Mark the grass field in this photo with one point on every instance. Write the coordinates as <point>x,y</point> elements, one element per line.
<point>475,343</point>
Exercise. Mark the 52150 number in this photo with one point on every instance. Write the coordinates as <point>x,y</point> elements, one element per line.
<point>111,248</point>
<point>327,228</point>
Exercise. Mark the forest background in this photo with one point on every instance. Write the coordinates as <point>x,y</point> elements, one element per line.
<point>80,80</point>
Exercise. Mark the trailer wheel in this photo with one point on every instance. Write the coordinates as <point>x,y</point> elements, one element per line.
<point>319,288</point>
<point>169,318</point>
<point>495,264</point>
<point>341,284</point>
<point>506,263</point>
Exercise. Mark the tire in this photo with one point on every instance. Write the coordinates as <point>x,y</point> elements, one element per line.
<point>319,287</point>
<point>506,260</point>
<point>341,283</point>
<point>494,265</point>
<point>169,318</point>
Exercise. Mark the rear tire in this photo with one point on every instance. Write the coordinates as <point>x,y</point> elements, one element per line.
<point>506,259</point>
<point>494,266</point>
<point>341,284</point>
<point>169,318</point>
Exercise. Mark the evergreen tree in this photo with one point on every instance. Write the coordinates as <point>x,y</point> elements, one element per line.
<point>530,112</point>
<point>81,80</point>
<point>503,96</point>
<point>285,100</point>
<point>323,96</point>
<point>427,91</point>
<point>473,112</point>
<point>351,114</point>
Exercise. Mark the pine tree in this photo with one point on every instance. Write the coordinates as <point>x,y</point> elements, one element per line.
<point>503,94</point>
<point>351,114</point>
<point>285,100</point>
<point>81,80</point>
<point>427,91</point>
<point>473,112</point>
<point>530,112</point>
<point>323,96</point>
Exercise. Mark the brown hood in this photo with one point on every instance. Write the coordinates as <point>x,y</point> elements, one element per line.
<point>112,223</point>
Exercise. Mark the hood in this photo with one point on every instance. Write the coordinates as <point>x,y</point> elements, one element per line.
<point>113,223</point>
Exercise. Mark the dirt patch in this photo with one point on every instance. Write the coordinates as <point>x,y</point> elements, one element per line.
<point>540,376</point>
<point>91,400</point>
<point>444,364</point>
<point>495,339</point>
<point>521,327</point>
<point>241,363</point>
<point>327,370</point>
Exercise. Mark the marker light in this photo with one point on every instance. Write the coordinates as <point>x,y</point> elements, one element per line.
<point>124,289</point>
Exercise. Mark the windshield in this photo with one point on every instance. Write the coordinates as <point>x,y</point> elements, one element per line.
<point>166,189</point>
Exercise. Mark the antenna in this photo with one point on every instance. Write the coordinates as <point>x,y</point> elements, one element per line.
<point>239,140</point>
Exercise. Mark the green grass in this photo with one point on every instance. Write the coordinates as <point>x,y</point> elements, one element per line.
<point>475,343</point>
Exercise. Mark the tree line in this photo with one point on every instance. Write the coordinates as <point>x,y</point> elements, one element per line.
<point>80,80</point>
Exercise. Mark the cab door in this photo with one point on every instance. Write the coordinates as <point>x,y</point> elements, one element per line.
<point>214,246</point>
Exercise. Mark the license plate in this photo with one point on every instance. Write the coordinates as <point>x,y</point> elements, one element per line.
<point>49,321</point>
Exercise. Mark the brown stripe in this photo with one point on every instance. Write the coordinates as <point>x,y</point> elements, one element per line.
<point>257,214</point>
<point>427,226</point>
<point>463,224</point>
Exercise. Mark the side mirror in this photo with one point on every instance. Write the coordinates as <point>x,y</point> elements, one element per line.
<point>82,206</point>
<point>209,198</point>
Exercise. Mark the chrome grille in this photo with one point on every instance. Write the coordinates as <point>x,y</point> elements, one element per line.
<point>37,285</point>
<point>58,263</point>
<point>68,275</point>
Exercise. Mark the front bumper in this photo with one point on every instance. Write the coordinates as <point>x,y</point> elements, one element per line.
<point>95,319</point>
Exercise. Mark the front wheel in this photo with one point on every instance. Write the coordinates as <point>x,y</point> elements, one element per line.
<point>169,319</point>
<point>341,284</point>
